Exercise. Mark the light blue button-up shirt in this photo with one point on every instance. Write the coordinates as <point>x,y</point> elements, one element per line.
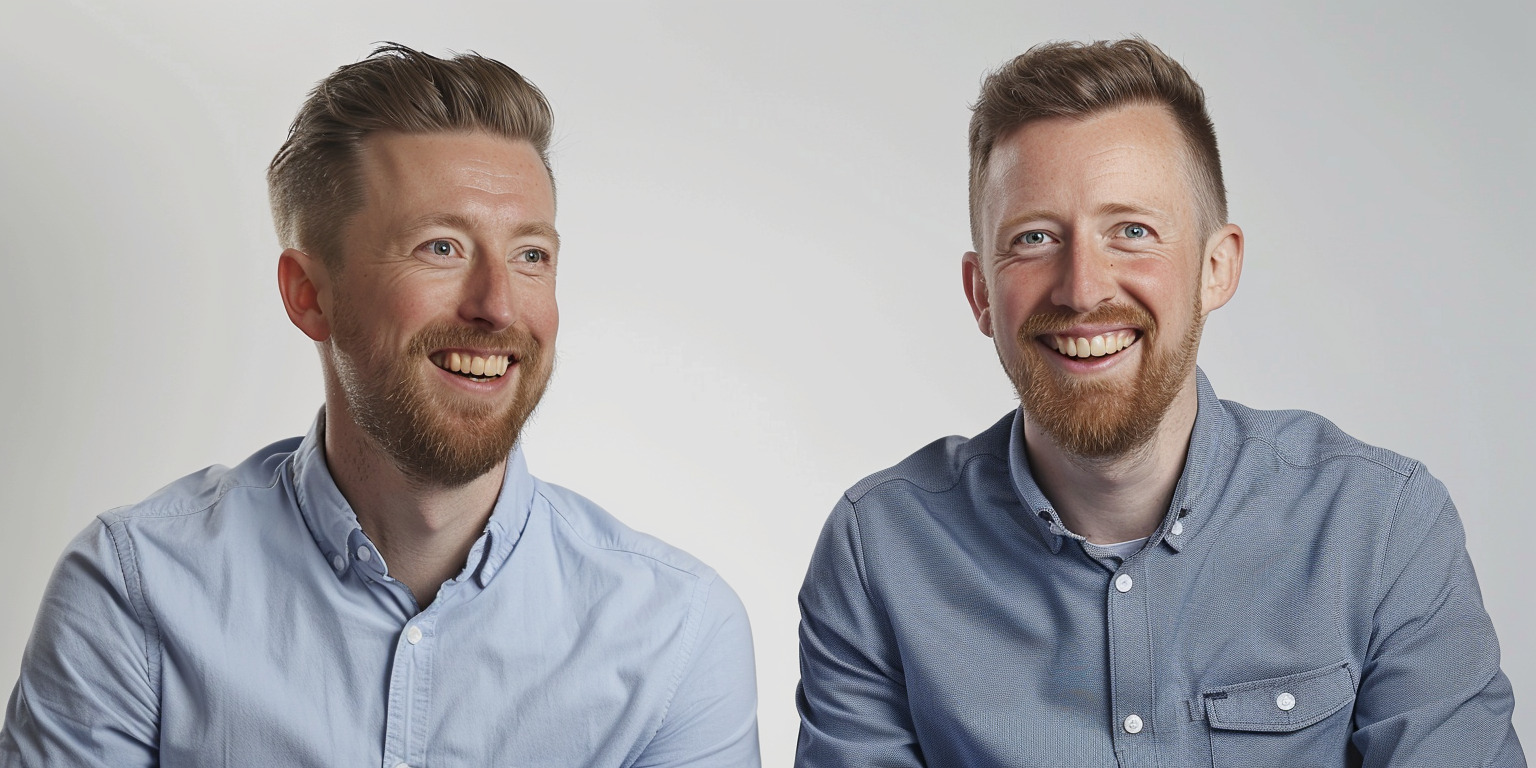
<point>1306,601</point>
<point>241,617</point>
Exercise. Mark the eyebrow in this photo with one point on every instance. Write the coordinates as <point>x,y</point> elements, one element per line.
<point>455,221</point>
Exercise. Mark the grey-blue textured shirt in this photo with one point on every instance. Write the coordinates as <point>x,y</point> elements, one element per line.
<point>241,617</point>
<point>1306,601</point>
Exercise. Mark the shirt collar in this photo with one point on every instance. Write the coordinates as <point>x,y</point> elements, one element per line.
<point>337,533</point>
<point>1186,515</point>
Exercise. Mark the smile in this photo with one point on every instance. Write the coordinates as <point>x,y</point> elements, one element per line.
<point>1098,346</point>
<point>474,367</point>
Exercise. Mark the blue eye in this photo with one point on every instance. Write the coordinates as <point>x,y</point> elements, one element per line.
<point>533,256</point>
<point>1034,238</point>
<point>1134,231</point>
<point>441,248</point>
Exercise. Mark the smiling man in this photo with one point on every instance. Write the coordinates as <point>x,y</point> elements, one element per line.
<point>394,588</point>
<point>1127,570</point>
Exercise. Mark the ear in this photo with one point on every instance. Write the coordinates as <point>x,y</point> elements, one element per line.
<point>1221,268</point>
<point>975,279</point>
<point>304,284</point>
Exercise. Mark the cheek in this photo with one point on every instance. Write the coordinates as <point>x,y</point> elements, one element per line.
<point>1161,287</point>
<point>1016,295</point>
<point>540,312</point>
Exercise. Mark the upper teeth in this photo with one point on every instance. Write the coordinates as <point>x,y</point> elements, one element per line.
<point>1098,346</point>
<point>475,365</point>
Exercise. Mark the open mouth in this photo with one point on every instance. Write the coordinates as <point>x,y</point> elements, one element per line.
<point>474,367</point>
<point>1097,346</point>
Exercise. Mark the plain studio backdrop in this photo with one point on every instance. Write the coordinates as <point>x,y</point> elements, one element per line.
<point>763,210</point>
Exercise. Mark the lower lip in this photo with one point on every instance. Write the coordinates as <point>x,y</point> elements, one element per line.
<point>478,387</point>
<point>1086,364</point>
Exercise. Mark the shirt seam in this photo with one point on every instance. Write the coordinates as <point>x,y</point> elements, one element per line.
<point>1381,586</point>
<point>125,553</point>
<point>959,477</point>
<point>861,566</point>
<point>146,511</point>
<point>1281,455</point>
<point>688,657</point>
<point>1383,589</point>
<point>858,554</point>
<point>575,530</point>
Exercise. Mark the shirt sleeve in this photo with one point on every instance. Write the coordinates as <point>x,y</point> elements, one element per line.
<point>712,718</point>
<point>86,695</point>
<point>852,696</point>
<point>1431,690</point>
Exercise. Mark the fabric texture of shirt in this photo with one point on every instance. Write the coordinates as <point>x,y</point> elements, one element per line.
<point>241,617</point>
<point>1306,601</point>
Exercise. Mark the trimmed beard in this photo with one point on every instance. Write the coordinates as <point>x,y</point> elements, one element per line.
<point>1096,419</point>
<point>434,441</point>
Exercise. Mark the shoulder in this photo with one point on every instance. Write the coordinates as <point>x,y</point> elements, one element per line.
<point>940,466</point>
<point>1304,439</point>
<point>206,488</point>
<point>600,536</point>
<point>637,584</point>
<point>1302,456</point>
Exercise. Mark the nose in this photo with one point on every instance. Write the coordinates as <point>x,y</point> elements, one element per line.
<point>490,300</point>
<point>1085,278</point>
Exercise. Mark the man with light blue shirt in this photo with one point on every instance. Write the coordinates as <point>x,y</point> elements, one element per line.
<point>1127,570</point>
<point>393,589</point>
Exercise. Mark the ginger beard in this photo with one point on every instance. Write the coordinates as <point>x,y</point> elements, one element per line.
<point>1094,417</point>
<point>436,440</point>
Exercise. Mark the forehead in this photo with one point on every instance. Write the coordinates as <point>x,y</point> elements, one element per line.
<point>1133,155</point>
<point>467,173</point>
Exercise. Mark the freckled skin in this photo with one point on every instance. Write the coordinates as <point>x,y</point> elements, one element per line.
<point>492,200</point>
<point>496,183</point>
<point>1054,212</point>
<point>1082,175</point>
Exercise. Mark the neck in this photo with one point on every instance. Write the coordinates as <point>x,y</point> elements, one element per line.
<point>1117,498</point>
<point>424,532</point>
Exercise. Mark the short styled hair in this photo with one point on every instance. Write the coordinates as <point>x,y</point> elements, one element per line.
<point>313,181</point>
<point>1078,80</point>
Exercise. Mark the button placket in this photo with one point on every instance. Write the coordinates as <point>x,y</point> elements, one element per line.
<point>1131,665</point>
<point>410,695</point>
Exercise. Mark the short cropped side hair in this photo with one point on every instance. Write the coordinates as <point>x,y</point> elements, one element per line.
<point>313,182</point>
<point>1078,80</point>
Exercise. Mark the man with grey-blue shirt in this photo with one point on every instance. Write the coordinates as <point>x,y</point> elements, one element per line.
<point>394,588</point>
<point>1128,570</point>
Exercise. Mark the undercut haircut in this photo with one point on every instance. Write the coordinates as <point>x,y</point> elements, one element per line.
<point>1080,80</point>
<point>313,182</point>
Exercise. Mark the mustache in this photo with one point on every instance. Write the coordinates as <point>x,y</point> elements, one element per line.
<point>1044,323</point>
<point>515,339</point>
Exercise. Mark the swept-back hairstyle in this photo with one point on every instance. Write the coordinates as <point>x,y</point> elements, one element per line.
<point>1078,80</point>
<point>313,181</point>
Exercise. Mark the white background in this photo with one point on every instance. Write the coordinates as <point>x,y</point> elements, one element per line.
<point>763,211</point>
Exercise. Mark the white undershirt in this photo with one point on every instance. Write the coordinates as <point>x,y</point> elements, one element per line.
<point>1123,550</point>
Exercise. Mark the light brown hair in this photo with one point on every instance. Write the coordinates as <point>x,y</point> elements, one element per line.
<point>313,181</point>
<point>1065,79</point>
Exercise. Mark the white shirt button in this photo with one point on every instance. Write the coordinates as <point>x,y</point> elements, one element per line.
<point>1132,724</point>
<point>364,554</point>
<point>1285,701</point>
<point>1178,527</point>
<point>402,765</point>
<point>413,635</point>
<point>339,563</point>
<point>1123,583</point>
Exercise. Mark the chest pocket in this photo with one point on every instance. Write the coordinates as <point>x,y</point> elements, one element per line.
<point>1296,720</point>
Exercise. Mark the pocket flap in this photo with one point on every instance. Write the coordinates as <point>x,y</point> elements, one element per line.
<point>1280,704</point>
